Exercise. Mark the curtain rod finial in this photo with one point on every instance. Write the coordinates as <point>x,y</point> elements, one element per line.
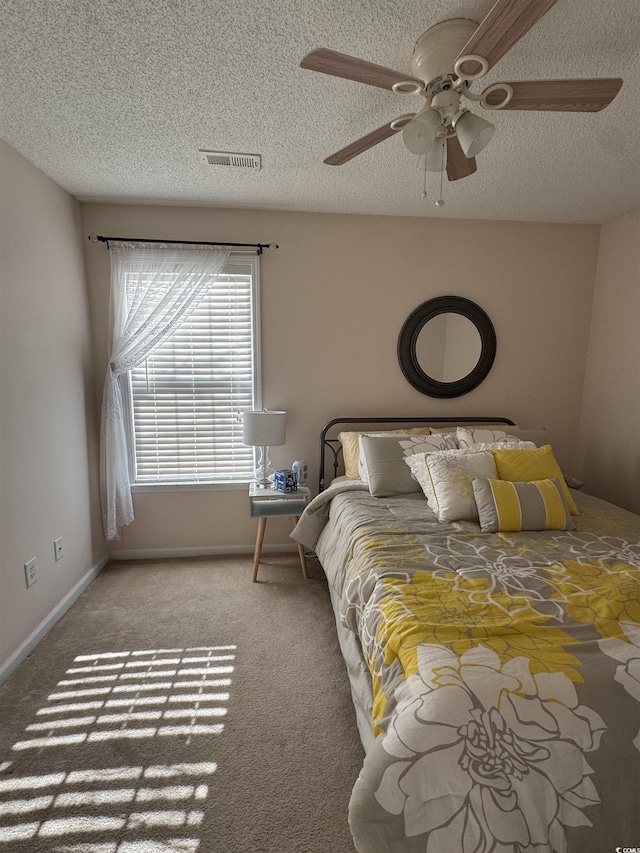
<point>273,246</point>
<point>93,237</point>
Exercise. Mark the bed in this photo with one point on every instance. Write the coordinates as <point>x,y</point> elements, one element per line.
<point>495,671</point>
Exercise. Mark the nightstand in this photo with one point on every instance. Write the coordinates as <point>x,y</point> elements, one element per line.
<point>270,502</point>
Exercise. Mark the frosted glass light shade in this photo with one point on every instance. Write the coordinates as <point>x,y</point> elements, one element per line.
<point>474,133</point>
<point>419,134</point>
<point>264,429</point>
<point>437,155</point>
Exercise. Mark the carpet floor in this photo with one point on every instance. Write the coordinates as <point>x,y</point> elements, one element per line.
<point>177,706</point>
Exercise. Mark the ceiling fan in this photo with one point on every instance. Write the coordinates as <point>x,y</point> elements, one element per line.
<point>447,58</point>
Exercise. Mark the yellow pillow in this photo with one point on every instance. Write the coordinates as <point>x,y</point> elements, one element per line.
<point>528,465</point>
<point>351,449</point>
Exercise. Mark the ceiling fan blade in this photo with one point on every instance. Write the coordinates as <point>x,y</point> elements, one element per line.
<point>505,25</point>
<point>578,96</point>
<point>368,141</point>
<point>350,68</point>
<point>458,166</point>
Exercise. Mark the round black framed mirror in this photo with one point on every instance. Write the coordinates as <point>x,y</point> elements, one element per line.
<point>454,354</point>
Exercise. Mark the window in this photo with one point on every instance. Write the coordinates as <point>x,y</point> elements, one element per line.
<point>185,398</point>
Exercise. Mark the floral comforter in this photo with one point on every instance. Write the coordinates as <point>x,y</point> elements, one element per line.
<point>506,677</point>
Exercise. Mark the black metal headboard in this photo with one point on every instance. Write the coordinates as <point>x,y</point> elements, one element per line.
<point>333,445</point>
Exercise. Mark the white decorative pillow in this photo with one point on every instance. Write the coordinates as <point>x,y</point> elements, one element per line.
<point>446,479</point>
<point>468,436</point>
<point>502,445</point>
<point>417,463</point>
<point>428,443</point>
<point>381,460</point>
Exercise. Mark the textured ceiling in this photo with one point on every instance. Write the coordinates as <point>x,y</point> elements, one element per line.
<point>113,100</point>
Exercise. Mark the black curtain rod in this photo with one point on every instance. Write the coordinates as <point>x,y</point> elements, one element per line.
<point>98,238</point>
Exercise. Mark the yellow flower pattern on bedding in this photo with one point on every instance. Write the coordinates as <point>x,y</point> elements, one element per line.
<point>462,614</point>
<point>372,550</point>
<point>504,599</point>
<point>599,593</point>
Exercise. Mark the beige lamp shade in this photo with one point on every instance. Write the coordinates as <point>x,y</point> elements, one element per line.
<point>264,428</point>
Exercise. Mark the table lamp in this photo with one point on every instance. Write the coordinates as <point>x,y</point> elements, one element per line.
<point>263,429</point>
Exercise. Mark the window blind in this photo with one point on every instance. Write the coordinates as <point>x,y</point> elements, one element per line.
<point>185,397</point>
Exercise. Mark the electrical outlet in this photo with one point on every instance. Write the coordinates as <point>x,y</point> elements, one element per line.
<point>31,571</point>
<point>57,548</point>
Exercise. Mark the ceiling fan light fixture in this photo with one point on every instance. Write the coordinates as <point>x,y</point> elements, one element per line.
<point>420,133</point>
<point>474,133</point>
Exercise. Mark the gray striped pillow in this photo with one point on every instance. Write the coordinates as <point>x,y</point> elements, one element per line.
<point>505,505</point>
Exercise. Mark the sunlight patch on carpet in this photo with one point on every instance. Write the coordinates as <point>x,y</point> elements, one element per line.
<point>110,697</point>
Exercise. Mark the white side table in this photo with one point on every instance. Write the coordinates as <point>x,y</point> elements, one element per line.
<point>271,502</point>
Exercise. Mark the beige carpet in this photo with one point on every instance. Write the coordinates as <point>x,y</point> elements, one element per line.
<point>180,707</point>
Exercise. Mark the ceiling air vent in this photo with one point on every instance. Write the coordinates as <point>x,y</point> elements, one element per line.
<point>230,158</point>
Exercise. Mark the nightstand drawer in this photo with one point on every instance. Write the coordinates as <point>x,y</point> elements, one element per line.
<point>277,506</point>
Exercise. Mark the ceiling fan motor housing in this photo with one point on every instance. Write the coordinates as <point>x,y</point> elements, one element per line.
<point>447,103</point>
<point>437,49</point>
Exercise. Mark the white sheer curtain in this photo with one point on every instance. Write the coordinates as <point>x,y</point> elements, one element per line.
<point>154,287</point>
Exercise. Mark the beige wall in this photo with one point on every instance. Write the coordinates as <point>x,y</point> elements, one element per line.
<point>48,452</point>
<point>334,297</point>
<point>610,422</point>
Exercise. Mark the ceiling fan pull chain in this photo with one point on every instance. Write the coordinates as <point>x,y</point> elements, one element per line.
<point>440,201</point>
<point>424,190</point>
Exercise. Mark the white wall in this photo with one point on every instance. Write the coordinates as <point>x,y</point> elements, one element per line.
<point>48,428</point>
<point>610,422</point>
<point>334,298</point>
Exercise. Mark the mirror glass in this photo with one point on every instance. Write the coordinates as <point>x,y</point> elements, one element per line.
<point>448,347</point>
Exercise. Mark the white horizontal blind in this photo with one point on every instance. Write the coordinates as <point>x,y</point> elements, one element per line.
<point>186,396</point>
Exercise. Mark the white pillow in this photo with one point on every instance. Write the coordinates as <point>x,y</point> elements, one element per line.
<point>468,436</point>
<point>419,471</point>
<point>502,445</point>
<point>405,445</point>
<point>446,479</point>
<point>413,444</point>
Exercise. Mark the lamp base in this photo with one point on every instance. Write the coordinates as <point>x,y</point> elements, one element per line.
<point>264,472</point>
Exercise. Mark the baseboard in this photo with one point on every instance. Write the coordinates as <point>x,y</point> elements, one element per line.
<point>206,551</point>
<point>25,649</point>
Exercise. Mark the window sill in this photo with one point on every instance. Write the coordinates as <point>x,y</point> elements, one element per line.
<point>234,486</point>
